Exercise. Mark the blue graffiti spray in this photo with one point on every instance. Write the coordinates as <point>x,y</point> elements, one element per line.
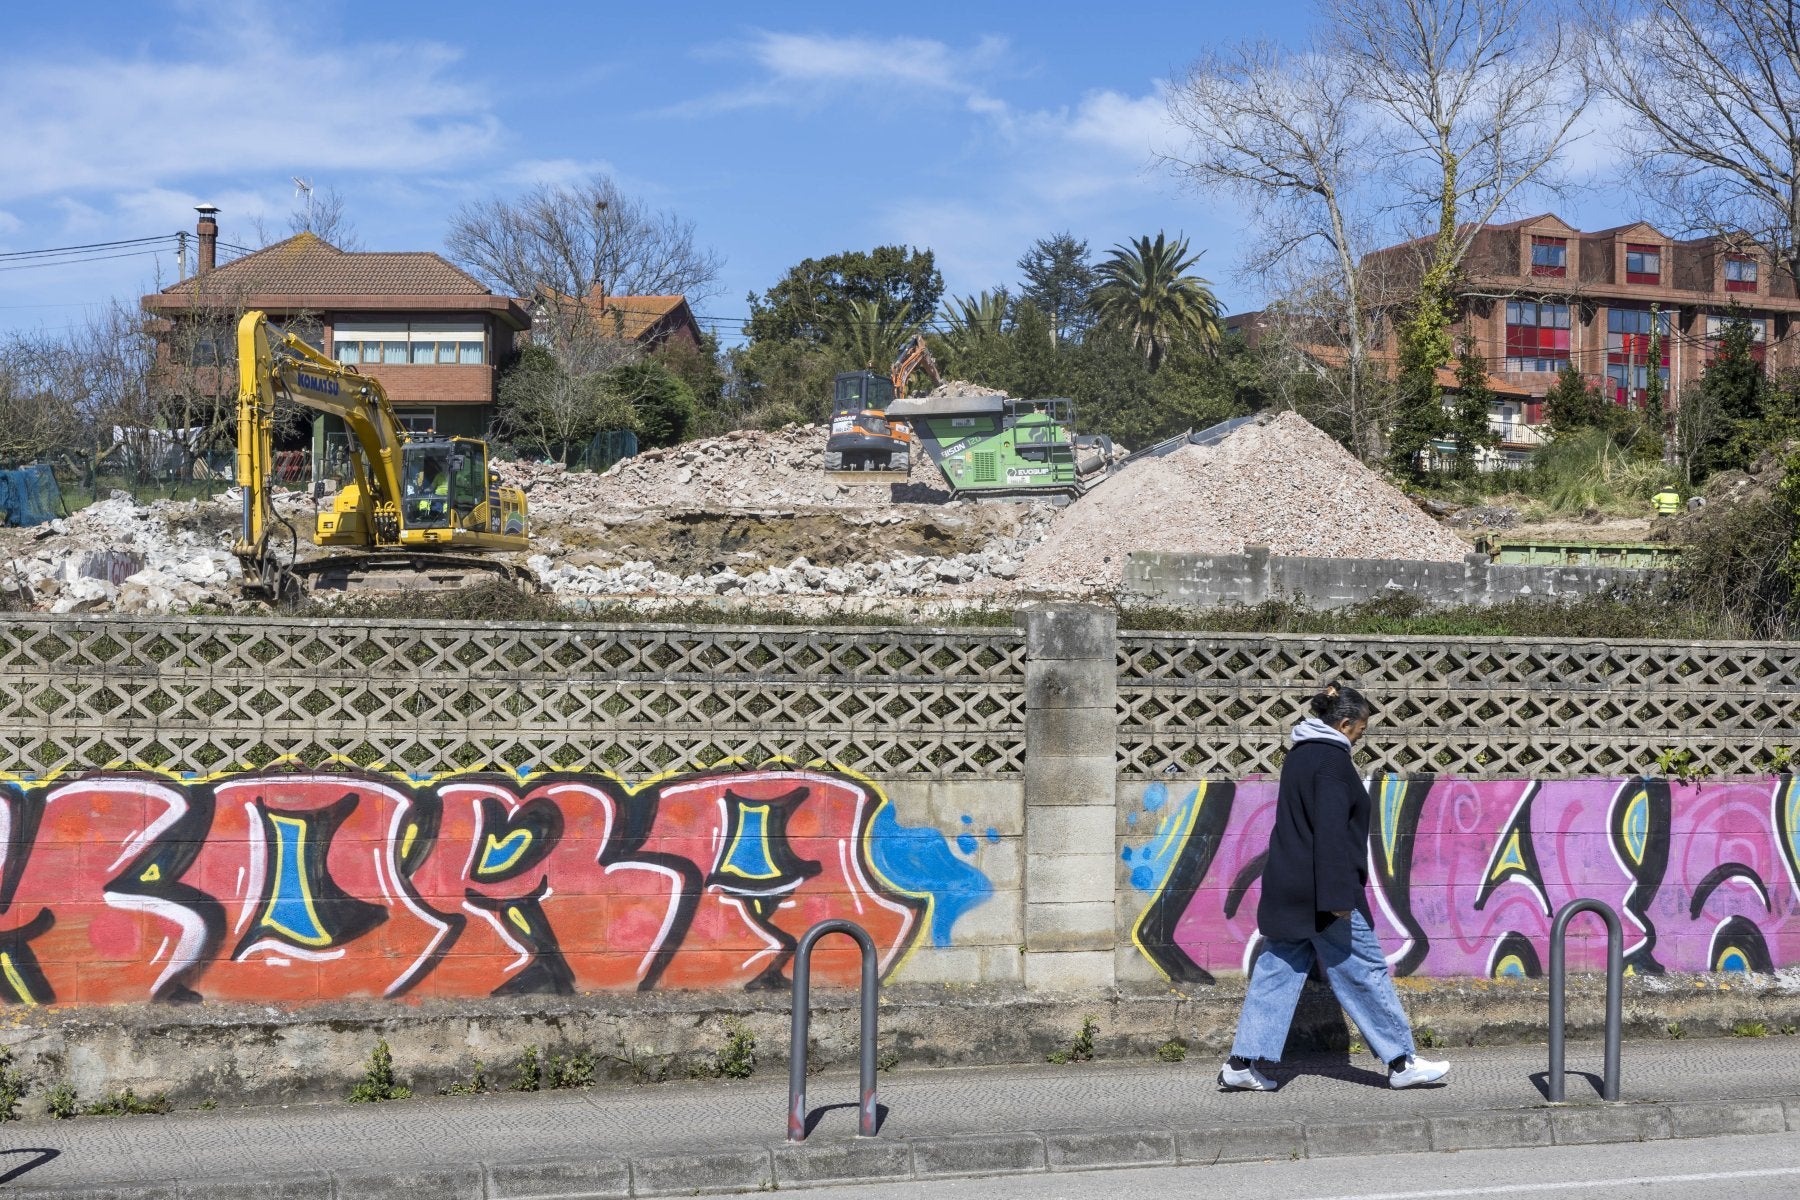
<point>920,861</point>
<point>1150,863</point>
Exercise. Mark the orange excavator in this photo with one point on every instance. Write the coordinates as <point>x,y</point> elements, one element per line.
<point>864,444</point>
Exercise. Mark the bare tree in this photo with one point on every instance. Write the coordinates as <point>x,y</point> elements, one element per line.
<point>322,213</point>
<point>1476,99</point>
<point>571,239</point>
<point>1281,131</point>
<point>562,390</point>
<point>38,418</point>
<point>1712,92</point>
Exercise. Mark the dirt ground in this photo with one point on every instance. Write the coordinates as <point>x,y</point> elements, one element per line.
<point>696,541</point>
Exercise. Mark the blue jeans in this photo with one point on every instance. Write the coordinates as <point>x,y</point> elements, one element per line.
<point>1358,973</point>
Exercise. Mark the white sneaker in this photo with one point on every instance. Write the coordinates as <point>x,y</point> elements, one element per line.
<point>1247,1080</point>
<point>1417,1073</point>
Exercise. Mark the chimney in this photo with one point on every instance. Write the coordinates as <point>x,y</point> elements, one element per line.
<point>207,228</point>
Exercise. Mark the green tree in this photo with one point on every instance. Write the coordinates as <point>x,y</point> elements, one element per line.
<point>664,406</point>
<point>1733,395</point>
<point>702,369</point>
<point>809,302</point>
<point>1574,403</point>
<point>971,321</point>
<point>1059,279</point>
<point>1147,293</point>
<point>1468,427</point>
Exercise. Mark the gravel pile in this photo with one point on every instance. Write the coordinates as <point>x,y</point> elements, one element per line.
<point>744,469</point>
<point>1279,483</point>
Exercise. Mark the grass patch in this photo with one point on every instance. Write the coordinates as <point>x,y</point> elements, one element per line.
<point>13,1086</point>
<point>736,1059</point>
<point>127,1103</point>
<point>1172,1051</point>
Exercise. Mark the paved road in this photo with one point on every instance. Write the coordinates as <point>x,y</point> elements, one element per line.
<point>1726,1168</point>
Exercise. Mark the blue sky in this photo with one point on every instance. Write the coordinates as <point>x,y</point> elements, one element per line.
<point>783,131</point>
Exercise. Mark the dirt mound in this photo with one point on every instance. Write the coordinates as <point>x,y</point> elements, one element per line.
<point>745,469</point>
<point>1279,483</point>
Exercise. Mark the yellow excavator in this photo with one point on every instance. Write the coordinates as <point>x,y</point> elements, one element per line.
<point>416,512</point>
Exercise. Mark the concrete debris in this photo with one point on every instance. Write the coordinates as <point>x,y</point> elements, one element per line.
<point>960,389</point>
<point>747,468</point>
<point>1279,483</point>
<point>751,518</point>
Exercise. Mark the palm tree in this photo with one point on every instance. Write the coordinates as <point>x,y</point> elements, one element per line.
<point>969,320</point>
<point>1146,294</point>
<point>870,335</point>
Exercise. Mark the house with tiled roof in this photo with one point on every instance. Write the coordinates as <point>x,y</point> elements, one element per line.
<point>434,335</point>
<point>650,321</point>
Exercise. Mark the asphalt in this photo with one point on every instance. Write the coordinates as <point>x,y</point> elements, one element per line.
<point>718,1136</point>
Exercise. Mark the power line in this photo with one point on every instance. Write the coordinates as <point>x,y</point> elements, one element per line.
<point>162,237</point>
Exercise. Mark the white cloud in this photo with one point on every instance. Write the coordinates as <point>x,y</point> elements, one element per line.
<point>805,70</point>
<point>9,223</point>
<point>259,102</point>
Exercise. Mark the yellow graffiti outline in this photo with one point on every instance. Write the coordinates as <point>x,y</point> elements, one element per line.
<point>493,844</point>
<point>16,980</point>
<point>1187,830</point>
<point>737,840</point>
<point>1511,858</point>
<point>306,898</point>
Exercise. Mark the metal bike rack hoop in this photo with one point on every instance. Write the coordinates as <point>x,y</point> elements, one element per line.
<point>870,995</point>
<point>1615,986</point>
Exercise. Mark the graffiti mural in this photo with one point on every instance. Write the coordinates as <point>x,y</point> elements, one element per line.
<point>1466,875</point>
<point>299,886</point>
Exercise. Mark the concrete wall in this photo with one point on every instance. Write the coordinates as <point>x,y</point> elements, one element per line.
<point>1211,580</point>
<point>249,932</point>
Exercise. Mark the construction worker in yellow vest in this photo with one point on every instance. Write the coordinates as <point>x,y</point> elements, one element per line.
<point>1667,502</point>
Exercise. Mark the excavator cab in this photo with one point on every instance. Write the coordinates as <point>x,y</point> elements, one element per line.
<point>446,479</point>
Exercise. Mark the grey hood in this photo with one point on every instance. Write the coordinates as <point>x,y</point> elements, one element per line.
<point>1314,730</point>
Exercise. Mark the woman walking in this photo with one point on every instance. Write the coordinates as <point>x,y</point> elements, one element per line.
<point>1313,906</point>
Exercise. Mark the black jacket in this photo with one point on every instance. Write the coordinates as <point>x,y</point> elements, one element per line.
<point>1319,849</point>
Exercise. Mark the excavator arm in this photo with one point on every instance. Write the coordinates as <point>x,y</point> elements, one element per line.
<point>913,355</point>
<point>270,367</point>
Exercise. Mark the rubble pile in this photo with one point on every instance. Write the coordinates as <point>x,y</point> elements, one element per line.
<point>1278,482</point>
<point>987,569</point>
<point>120,556</point>
<point>747,468</point>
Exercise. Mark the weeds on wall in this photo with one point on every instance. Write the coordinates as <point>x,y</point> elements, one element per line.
<point>737,1058</point>
<point>1749,1029</point>
<point>378,1082</point>
<point>1172,1051</point>
<point>1675,1031</point>
<point>530,1074</point>
<point>1081,1049</point>
<point>575,1071</point>
<point>62,1103</point>
<point>474,1085</point>
<point>13,1086</point>
<point>127,1103</point>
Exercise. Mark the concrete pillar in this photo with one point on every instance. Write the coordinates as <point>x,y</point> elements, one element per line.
<point>1071,772</point>
<point>1261,587</point>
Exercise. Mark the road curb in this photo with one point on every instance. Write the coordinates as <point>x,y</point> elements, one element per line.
<point>778,1165</point>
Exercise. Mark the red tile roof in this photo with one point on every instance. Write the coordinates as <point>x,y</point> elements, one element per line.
<point>307,265</point>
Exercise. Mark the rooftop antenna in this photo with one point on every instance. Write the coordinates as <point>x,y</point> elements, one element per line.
<point>305,186</point>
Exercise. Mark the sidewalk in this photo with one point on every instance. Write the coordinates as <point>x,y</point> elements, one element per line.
<point>700,1138</point>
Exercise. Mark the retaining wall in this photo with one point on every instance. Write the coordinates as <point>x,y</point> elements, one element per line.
<point>436,827</point>
<point>1213,580</point>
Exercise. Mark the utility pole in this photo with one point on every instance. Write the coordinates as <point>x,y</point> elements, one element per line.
<point>180,255</point>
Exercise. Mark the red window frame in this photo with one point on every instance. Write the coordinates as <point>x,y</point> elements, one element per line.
<point>1741,285</point>
<point>1632,276</point>
<point>1557,270</point>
